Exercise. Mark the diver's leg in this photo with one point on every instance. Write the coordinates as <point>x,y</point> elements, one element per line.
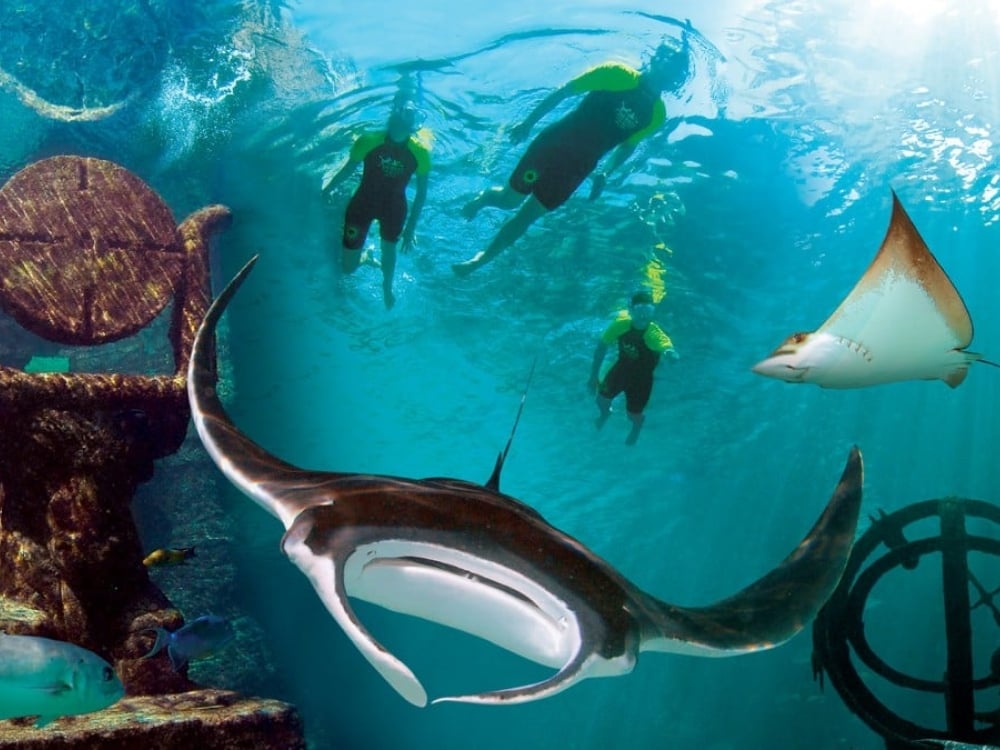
<point>350,259</point>
<point>637,420</point>
<point>530,212</point>
<point>637,392</point>
<point>357,221</point>
<point>611,386</point>
<point>603,410</point>
<point>495,197</point>
<point>388,270</point>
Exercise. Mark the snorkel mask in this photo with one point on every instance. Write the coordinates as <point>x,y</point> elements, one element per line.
<point>405,120</point>
<point>670,63</point>
<point>641,309</point>
<point>405,115</point>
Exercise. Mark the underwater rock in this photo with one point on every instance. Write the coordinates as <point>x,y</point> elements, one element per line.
<point>89,255</point>
<point>203,719</point>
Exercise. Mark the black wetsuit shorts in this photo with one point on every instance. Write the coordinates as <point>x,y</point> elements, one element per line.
<point>635,381</point>
<point>553,167</point>
<point>365,207</point>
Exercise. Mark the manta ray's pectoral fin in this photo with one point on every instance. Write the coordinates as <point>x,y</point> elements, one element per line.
<point>326,573</point>
<point>579,667</point>
<point>957,376</point>
<point>778,605</point>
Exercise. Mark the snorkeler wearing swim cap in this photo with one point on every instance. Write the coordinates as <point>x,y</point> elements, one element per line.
<point>390,157</point>
<point>622,106</point>
<point>641,343</point>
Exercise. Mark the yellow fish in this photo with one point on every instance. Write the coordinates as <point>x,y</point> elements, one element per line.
<point>159,558</point>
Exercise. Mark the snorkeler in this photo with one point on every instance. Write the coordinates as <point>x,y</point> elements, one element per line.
<point>640,345</point>
<point>621,107</point>
<point>391,157</point>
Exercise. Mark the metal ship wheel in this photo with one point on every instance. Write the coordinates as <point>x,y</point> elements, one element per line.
<point>841,644</point>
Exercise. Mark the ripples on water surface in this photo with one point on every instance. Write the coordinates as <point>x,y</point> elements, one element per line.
<point>764,206</point>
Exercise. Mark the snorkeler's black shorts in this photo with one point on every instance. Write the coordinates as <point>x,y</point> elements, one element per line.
<point>637,384</point>
<point>365,207</point>
<point>553,167</point>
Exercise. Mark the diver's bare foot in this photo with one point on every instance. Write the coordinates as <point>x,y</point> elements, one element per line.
<point>601,419</point>
<point>389,297</point>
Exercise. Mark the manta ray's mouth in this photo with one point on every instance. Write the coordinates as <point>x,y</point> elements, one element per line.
<point>455,570</point>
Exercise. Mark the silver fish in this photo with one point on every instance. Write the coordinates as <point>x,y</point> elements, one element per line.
<point>48,679</point>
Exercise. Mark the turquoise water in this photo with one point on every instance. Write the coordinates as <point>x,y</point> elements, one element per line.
<point>771,198</point>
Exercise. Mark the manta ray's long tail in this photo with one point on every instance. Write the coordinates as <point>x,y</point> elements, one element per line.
<point>248,466</point>
<point>777,606</point>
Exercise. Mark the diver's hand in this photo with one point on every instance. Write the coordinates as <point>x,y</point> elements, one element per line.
<point>409,240</point>
<point>597,183</point>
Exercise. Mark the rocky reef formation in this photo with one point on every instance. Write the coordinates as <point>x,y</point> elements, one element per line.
<point>90,255</point>
<point>202,719</point>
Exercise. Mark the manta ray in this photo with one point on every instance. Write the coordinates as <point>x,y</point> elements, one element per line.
<point>472,558</point>
<point>904,320</point>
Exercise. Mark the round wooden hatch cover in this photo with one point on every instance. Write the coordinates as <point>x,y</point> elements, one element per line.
<point>88,252</point>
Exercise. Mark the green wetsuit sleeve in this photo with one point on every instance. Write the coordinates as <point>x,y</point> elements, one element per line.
<point>620,325</point>
<point>606,77</point>
<point>364,144</point>
<point>422,154</point>
<point>657,119</point>
<point>656,339</point>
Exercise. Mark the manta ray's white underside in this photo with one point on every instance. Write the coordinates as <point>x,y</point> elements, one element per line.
<point>457,590</point>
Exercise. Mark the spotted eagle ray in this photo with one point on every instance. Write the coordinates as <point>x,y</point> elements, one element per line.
<point>469,557</point>
<point>904,320</point>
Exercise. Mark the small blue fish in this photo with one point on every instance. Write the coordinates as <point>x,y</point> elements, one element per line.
<point>48,679</point>
<point>197,639</point>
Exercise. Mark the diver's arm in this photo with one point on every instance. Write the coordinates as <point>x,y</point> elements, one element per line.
<point>418,204</point>
<point>618,157</point>
<point>595,368</point>
<point>342,174</point>
<point>520,132</point>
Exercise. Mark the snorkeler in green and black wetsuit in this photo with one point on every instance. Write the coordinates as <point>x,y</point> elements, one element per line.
<point>641,344</point>
<point>390,157</point>
<point>621,107</point>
